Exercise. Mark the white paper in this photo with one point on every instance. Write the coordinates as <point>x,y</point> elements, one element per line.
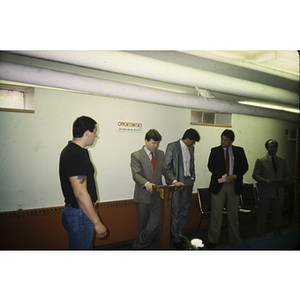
<point>222,179</point>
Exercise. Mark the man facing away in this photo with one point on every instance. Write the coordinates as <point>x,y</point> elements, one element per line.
<point>228,164</point>
<point>181,162</point>
<point>79,217</point>
<point>272,174</point>
<point>147,166</point>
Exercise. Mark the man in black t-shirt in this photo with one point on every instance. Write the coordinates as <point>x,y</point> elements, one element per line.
<point>76,172</point>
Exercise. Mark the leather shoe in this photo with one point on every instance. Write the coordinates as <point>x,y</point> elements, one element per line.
<point>211,246</point>
<point>179,246</point>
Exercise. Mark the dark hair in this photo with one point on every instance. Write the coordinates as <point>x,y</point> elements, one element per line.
<point>192,134</point>
<point>229,134</point>
<point>267,142</point>
<point>81,125</point>
<point>154,135</point>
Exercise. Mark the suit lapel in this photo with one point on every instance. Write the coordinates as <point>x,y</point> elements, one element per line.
<point>146,160</point>
<point>279,165</point>
<point>178,145</point>
<point>270,165</point>
<point>158,161</point>
<point>180,158</point>
<point>234,154</point>
<point>222,154</point>
<point>221,151</point>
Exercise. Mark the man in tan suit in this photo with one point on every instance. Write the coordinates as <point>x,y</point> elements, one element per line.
<point>271,173</point>
<point>147,166</point>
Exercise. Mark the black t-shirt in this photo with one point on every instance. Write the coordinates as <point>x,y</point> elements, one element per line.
<point>75,161</point>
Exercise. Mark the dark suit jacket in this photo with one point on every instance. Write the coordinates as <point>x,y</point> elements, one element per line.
<point>264,170</point>
<point>142,172</point>
<point>216,165</point>
<point>174,160</point>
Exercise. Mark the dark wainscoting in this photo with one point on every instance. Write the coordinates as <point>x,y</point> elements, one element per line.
<point>38,229</point>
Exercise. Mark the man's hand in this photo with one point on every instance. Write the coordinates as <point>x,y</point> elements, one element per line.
<point>230,179</point>
<point>85,203</point>
<point>178,183</point>
<point>267,182</point>
<point>149,187</point>
<point>101,231</point>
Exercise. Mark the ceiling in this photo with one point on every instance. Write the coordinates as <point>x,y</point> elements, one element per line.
<point>276,70</point>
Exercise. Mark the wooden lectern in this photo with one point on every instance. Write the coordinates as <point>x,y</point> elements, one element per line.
<point>166,193</point>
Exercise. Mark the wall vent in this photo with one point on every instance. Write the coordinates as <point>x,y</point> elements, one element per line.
<point>210,118</point>
<point>292,134</point>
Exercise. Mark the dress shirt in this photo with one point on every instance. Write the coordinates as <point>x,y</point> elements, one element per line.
<point>270,157</point>
<point>186,158</point>
<point>149,153</point>
<point>231,159</point>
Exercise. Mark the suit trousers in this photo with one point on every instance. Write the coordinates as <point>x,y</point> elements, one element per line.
<point>226,195</point>
<point>181,202</point>
<point>264,205</point>
<point>148,220</point>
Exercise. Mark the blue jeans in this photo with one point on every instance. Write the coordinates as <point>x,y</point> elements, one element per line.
<point>79,228</point>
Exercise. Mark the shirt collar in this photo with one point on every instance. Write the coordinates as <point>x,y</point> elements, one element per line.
<point>270,157</point>
<point>78,147</point>
<point>183,144</point>
<point>229,148</point>
<point>147,150</point>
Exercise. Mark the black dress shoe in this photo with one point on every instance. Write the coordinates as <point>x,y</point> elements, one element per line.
<point>179,246</point>
<point>211,246</point>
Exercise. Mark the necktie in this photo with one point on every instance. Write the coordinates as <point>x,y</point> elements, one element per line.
<point>227,162</point>
<point>153,160</point>
<point>274,164</point>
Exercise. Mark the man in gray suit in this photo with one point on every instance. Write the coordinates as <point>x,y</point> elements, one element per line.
<point>271,173</point>
<point>147,166</point>
<point>180,160</point>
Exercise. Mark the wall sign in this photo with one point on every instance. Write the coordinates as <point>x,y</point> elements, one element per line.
<point>129,126</point>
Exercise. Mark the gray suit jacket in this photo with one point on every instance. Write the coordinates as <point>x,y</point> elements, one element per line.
<point>264,170</point>
<point>142,172</point>
<point>174,160</point>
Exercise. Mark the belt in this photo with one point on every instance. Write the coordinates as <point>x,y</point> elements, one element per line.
<point>72,205</point>
<point>76,205</point>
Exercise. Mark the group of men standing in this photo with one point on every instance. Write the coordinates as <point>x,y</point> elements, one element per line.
<point>178,167</point>
<point>227,163</point>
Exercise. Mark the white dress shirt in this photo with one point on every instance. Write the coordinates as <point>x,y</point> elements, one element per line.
<point>231,159</point>
<point>186,158</point>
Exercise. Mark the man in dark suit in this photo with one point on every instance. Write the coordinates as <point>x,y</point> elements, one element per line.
<point>180,160</point>
<point>147,166</point>
<point>272,174</point>
<point>228,164</point>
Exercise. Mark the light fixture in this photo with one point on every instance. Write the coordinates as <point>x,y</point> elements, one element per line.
<point>271,106</point>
